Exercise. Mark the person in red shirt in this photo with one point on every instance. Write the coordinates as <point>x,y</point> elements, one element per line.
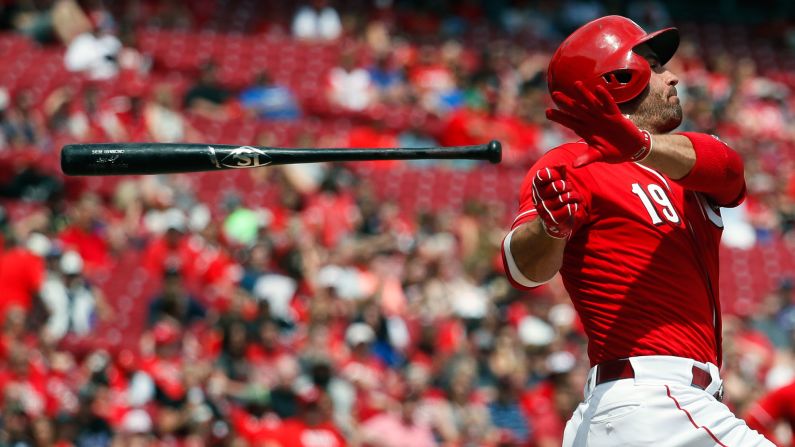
<point>21,277</point>
<point>630,217</point>
<point>23,380</point>
<point>171,250</point>
<point>165,367</point>
<point>255,429</point>
<point>549,403</point>
<point>768,411</point>
<point>367,372</point>
<point>313,427</point>
<point>85,235</point>
<point>331,214</point>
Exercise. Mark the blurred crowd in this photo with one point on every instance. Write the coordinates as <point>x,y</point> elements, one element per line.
<point>327,316</point>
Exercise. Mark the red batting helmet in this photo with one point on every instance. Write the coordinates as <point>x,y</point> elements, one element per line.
<point>601,53</point>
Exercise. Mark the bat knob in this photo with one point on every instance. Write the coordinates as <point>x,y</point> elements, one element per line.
<point>494,151</point>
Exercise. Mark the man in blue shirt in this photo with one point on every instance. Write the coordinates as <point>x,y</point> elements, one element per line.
<point>270,101</point>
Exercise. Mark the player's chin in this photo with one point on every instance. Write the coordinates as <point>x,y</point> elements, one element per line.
<point>673,120</point>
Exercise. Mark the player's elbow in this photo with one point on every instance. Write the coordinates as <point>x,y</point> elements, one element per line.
<point>734,175</point>
<point>734,169</point>
<point>718,171</point>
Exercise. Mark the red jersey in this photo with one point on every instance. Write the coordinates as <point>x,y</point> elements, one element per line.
<point>642,269</point>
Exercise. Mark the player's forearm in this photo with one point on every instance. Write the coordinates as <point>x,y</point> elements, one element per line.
<point>673,155</point>
<point>537,256</point>
<point>700,162</point>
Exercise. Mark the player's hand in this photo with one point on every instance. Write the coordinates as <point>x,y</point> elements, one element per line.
<point>596,118</point>
<point>556,201</point>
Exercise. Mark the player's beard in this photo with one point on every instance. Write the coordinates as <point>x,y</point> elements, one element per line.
<point>654,111</point>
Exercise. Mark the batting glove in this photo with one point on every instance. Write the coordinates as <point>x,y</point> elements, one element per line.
<point>596,118</point>
<point>556,201</point>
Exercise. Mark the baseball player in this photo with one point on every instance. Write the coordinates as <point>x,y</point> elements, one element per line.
<point>630,217</point>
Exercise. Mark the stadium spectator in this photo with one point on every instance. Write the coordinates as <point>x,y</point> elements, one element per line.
<point>173,302</point>
<point>256,262</point>
<point>550,403</point>
<point>433,81</point>
<point>417,136</point>
<point>398,426</point>
<point>331,214</point>
<point>506,414</point>
<point>242,224</point>
<point>349,86</point>
<point>74,306</point>
<point>277,291</point>
<point>322,374</point>
<point>85,119</point>
<point>21,124</point>
<point>136,429</point>
<point>313,425</point>
<point>125,116</point>
<point>317,21</point>
<point>85,233</point>
<point>233,360</point>
<point>388,80</point>
<point>23,381</point>
<point>21,275</point>
<point>785,313</point>
<point>770,410</point>
<point>270,101</point>
<point>460,414</point>
<point>59,109</point>
<point>171,246</point>
<point>766,320</point>
<point>164,122</point>
<point>254,424</point>
<point>207,97</point>
<point>181,406</point>
<point>95,52</point>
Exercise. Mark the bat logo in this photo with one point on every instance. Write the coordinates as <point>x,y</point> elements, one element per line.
<point>241,158</point>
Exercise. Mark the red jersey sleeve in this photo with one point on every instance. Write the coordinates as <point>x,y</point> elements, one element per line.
<point>563,155</point>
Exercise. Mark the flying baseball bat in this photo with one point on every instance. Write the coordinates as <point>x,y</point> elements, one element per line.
<point>168,158</point>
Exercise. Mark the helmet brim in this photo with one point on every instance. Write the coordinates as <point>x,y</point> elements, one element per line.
<point>663,42</point>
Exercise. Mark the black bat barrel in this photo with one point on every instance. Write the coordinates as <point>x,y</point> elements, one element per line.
<point>167,158</point>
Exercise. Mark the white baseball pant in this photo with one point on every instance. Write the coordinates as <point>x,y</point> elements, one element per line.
<point>658,407</point>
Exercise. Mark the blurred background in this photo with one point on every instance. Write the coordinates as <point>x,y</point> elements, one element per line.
<point>358,304</point>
